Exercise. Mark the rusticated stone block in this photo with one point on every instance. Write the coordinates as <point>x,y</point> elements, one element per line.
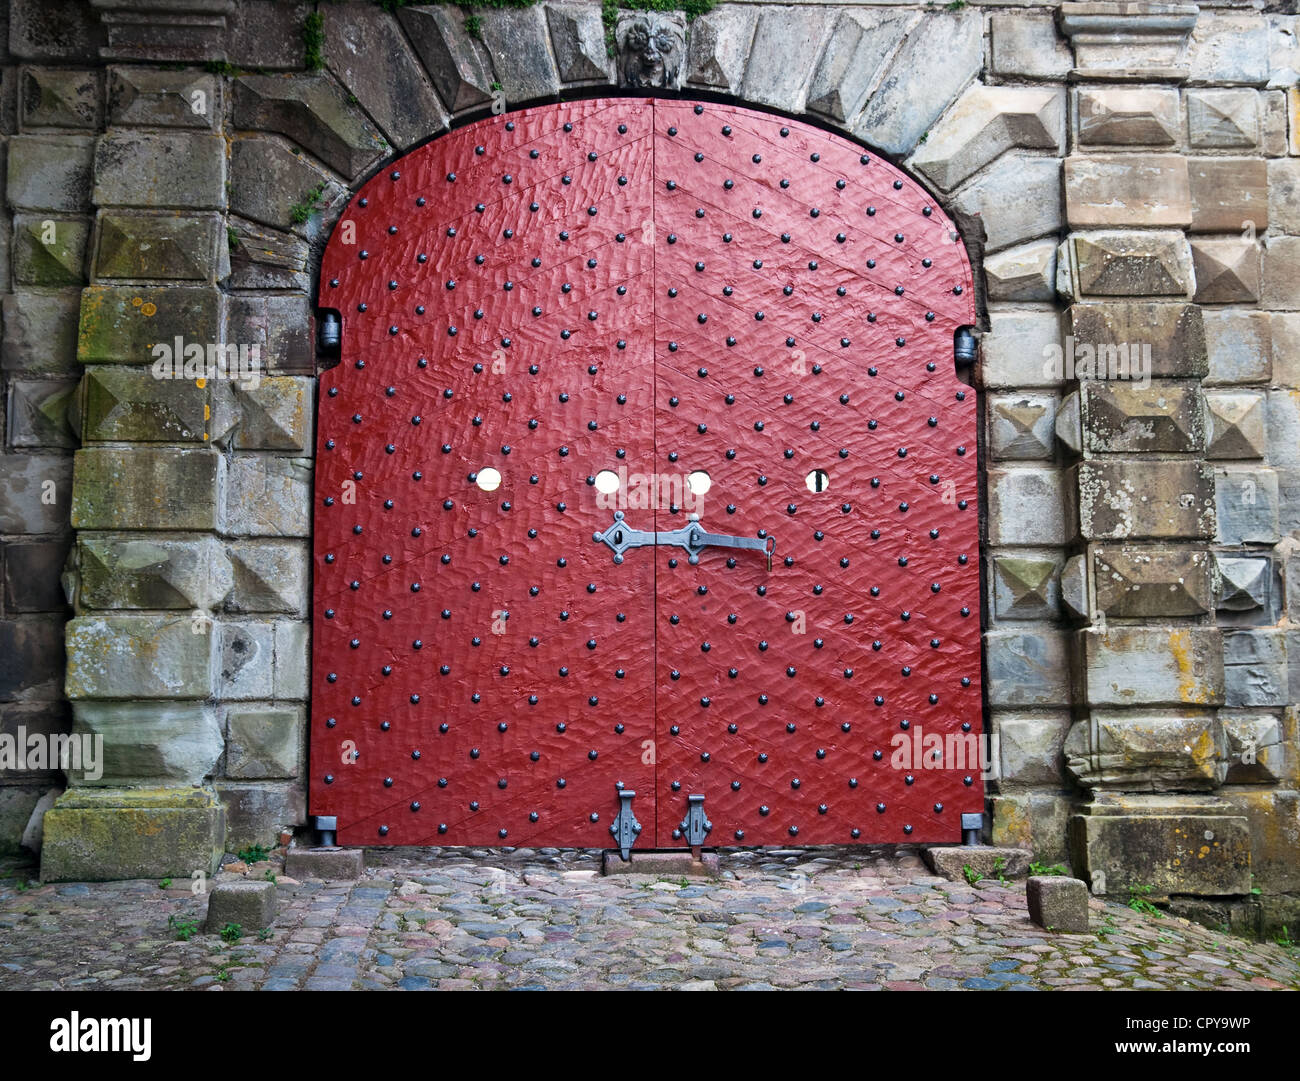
<point>49,251</point>
<point>267,181</point>
<point>38,413</point>
<point>1149,582</point>
<point>147,488</point>
<point>1029,746</point>
<point>50,172</point>
<point>275,415</point>
<point>1023,349</point>
<point>40,333</point>
<point>784,50</point>
<point>1074,587</point>
<point>857,47</point>
<point>1227,270</point>
<point>1274,823</point>
<point>42,31</point>
<point>1222,119</point>
<point>1137,264</point>
<point>1246,502</point>
<point>1127,116</point>
<point>578,41</point>
<point>131,406</point>
<point>518,44</point>
<point>249,905</point>
<point>149,97</point>
<point>1026,506</point>
<point>312,111</point>
<point>1017,198</point>
<point>1035,821</point>
<point>167,573</point>
<point>1028,45</point>
<point>1128,418</point>
<point>1127,189</point>
<point>150,169</point>
<point>1024,273</point>
<point>1026,587</point>
<point>1258,752</point>
<point>986,122</point>
<point>1229,195</point>
<point>1255,668</point>
<point>1283,195</point>
<point>1021,426</point>
<point>1195,845</point>
<point>458,65</point>
<point>280,327</point>
<point>267,34</point>
<point>264,742</point>
<point>1058,904</point>
<point>1230,49</point>
<point>1148,752</point>
<point>256,812</point>
<point>149,743</point>
<point>263,259</point>
<point>1281,275</point>
<point>32,570</point>
<point>122,324</point>
<point>1153,666</point>
<point>718,47</point>
<point>913,92</point>
<point>1175,332</point>
<point>269,576</point>
<point>129,657</point>
<point>1236,424</point>
<point>35,492</point>
<point>366,49</point>
<point>1130,499</point>
<point>269,497</point>
<point>60,98</point>
<point>1027,668</point>
<point>168,246</point>
<point>31,658</point>
<point>95,835</point>
<point>1242,583</point>
<point>1239,345</point>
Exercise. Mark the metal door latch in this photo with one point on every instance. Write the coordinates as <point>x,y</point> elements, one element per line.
<point>695,826</point>
<point>692,537</point>
<point>625,828</point>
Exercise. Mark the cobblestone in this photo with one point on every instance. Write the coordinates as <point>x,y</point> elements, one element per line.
<point>422,919</point>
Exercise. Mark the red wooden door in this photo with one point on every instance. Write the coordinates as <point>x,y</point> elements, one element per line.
<point>588,304</point>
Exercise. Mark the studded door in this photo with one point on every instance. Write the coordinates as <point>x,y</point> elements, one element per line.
<point>601,362</point>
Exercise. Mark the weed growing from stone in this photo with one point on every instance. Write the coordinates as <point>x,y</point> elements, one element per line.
<point>186,927</point>
<point>1040,869</point>
<point>1138,902</point>
<point>254,854</point>
<point>232,933</point>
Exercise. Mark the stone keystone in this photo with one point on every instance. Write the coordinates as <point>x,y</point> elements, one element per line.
<point>985,122</point>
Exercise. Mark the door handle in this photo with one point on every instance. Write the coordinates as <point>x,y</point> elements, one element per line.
<point>693,537</point>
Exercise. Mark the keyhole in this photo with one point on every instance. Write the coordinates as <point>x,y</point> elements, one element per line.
<point>818,480</point>
<point>618,536</point>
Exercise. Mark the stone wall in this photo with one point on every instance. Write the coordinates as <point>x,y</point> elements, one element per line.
<point>1131,173</point>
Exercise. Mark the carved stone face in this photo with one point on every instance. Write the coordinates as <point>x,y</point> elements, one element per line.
<point>650,50</point>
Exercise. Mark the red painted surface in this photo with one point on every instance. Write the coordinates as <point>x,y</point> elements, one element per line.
<point>648,356</point>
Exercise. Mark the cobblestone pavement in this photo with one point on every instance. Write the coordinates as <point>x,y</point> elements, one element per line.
<point>429,918</point>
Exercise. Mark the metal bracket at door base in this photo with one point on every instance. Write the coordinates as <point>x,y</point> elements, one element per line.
<point>626,828</point>
<point>695,827</point>
<point>972,828</point>
<point>327,827</point>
